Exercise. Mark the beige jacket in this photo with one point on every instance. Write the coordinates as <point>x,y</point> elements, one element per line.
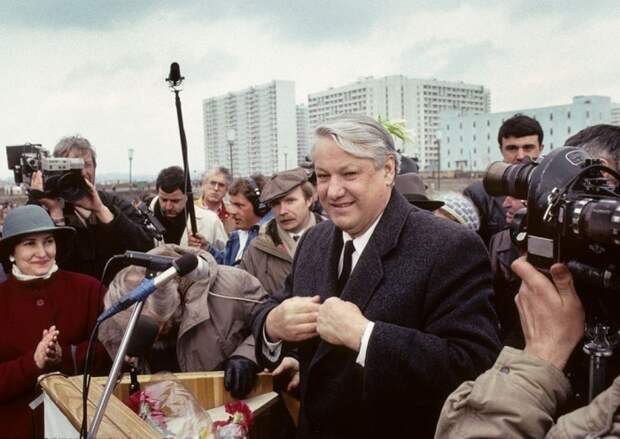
<point>207,224</point>
<point>215,320</point>
<point>518,398</point>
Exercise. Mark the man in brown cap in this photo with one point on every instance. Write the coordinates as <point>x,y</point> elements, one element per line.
<point>414,190</point>
<point>270,256</point>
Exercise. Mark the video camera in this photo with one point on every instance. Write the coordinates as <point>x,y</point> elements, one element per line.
<point>62,177</point>
<point>573,213</point>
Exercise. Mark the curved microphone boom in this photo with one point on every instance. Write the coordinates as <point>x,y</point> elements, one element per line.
<point>180,267</point>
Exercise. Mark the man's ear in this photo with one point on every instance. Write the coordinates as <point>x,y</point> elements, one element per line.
<point>389,167</point>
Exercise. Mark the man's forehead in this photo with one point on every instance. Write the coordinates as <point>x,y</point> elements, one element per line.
<point>239,198</point>
<point>81,154</point>
<point>217,176</point>
<point>521,141</point>
<point>176,195</point>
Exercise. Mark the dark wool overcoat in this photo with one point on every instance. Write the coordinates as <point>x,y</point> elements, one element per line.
<point>426,283</point>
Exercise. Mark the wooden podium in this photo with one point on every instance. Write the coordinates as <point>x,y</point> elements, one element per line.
<point>63,404</point>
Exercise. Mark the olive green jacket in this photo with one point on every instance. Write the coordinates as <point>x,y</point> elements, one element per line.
<point>518,398</point>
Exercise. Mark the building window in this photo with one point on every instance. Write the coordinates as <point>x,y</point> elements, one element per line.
<point>488,123</point>
<point>489,150</point>
<point>551,131</point>
<point>587,114</point>
<point>474,124</point>
<point>568,130</point>
<point>551,145</point>
<point>568,115</point>
<point>475,151</point>
<point>550,116</point>
<point>474,137</point>
<point>488,136</point>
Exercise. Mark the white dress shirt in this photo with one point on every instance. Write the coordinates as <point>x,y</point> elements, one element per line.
<point>272,350</point>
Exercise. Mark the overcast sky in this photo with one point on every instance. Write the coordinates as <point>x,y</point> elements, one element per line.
<point>97,68</point>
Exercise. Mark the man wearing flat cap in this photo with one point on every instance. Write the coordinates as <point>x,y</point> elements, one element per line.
<point>270,256</point>
<point>414,190</point>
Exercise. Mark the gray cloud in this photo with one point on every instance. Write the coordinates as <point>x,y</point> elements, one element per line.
<point>75,14</point>
<point>450,59</point>
<point>304,21</point>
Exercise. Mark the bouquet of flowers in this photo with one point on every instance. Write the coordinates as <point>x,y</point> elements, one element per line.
<point>170,409</point>
<point>238,424</point>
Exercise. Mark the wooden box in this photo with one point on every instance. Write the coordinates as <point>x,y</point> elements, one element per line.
<point>64,397</point>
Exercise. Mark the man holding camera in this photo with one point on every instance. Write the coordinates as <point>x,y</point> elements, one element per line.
<point>519,137</point>
<point>519,397</point>
<point>106,224</point>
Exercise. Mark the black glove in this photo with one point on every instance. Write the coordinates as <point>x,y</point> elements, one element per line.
<point>240,376</point>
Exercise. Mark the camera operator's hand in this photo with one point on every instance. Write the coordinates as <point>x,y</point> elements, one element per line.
<point>53,205</point>
<point>240,376</point>
<point>198,241</point>
<point>552,316</point>
<point>93,202</point>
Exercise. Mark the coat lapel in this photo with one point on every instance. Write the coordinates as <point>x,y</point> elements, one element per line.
<point>368,271</point>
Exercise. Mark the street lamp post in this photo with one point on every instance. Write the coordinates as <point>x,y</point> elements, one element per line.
<point>130,153</point>
<point>438,140</point>
<point>231,136</point>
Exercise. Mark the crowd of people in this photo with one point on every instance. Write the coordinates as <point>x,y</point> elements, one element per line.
<point>386,310</point>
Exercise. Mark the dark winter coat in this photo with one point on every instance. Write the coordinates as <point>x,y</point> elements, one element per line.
<point>492,213</point>
<point>426,283</point>
<point>95,243</point>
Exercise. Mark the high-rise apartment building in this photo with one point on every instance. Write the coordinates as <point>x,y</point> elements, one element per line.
<point>469,141</point>
<point>303,133</point>
<point>252,130</point>
<point>615,114</point>
<point>417,101</point>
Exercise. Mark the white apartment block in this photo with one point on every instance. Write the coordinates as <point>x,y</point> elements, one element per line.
<point>615,114</point>
<point>303,133</point>
<point>469,141</point>
<point>260,124</point>
<point>417,101</point>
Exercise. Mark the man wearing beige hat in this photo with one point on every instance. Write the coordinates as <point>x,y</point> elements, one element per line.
<point>270,256</point>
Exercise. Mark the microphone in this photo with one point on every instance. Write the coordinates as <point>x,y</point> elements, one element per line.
<point>180,267</point>
<point>147,260</point>
<point>144,335</point>
<point>174,77</point>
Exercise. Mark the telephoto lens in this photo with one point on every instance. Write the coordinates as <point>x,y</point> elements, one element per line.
<point>502,178</point>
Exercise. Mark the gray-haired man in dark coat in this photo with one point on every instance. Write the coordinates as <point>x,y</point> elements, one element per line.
<point>387,306</point>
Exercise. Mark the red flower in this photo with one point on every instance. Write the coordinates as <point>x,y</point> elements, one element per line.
<point>240,412</point>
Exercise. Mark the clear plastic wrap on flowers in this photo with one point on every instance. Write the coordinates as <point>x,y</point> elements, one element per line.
<point>171,409</point>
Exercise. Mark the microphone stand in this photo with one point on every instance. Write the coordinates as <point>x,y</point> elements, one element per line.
<point>599,347</point>
<point>115,371</point>
<point>175,81</point>
<point>117,365</point>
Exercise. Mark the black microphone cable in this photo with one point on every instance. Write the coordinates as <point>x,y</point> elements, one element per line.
<point>89,359</point>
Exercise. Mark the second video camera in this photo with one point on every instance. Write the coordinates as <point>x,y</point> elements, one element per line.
<point>573,213</point>
<point>62,177</point>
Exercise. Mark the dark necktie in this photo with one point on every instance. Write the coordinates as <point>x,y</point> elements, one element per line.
<point>347,262</point>
<point>295,238</point>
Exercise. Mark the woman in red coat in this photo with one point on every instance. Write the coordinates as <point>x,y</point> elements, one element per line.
<point>46,315</point>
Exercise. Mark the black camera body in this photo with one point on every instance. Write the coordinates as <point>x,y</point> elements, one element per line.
<point>573,213</point>
<point>62,177</point>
